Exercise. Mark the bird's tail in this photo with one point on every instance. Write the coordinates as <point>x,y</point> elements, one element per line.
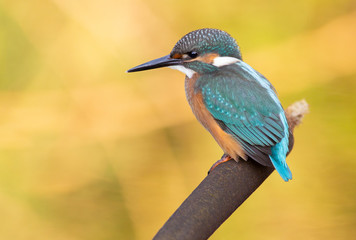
<point>278,158</point>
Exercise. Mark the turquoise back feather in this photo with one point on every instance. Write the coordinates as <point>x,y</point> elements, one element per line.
<point>245,105</point>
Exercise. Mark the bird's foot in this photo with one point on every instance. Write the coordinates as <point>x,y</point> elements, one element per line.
<point>223,159</point>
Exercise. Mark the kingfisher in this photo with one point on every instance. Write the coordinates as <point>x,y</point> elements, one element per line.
<point>234,102</point>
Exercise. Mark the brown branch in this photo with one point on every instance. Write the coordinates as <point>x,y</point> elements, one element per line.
<point>221,193</point>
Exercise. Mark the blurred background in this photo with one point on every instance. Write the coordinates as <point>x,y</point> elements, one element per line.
<point>88,151</point>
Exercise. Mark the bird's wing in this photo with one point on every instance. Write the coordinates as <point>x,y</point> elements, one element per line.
<point>245,105</point>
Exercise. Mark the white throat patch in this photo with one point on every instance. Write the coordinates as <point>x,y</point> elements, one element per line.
<point>223,61</point>
<point>186,71</point>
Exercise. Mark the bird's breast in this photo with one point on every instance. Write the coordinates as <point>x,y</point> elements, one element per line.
<point>195,99</point>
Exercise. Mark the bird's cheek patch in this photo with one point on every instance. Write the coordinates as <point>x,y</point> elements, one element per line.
<point>208,58</point>
<point>177,56</point>
<point>223,61</point>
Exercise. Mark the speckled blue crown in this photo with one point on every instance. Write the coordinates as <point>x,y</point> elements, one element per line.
<point>208,40</point>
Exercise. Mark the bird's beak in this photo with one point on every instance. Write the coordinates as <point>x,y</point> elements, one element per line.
<point>165,61</point>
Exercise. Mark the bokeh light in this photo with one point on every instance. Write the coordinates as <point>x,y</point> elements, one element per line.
<point>91,152</point>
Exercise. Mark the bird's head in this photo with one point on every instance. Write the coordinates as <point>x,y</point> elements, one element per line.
<point>201,51</point>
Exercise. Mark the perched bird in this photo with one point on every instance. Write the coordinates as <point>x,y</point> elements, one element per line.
<point>234,102</point>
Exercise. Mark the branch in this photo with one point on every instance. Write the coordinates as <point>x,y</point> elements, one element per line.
<point>221,193</point>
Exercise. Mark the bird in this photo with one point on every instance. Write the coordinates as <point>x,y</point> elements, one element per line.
<point>233,101</point>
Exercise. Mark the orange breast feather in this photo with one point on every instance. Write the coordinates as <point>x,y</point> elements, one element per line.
<point>229,144</point>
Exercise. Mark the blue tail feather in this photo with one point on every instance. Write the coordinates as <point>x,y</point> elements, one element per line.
<point>282,168</point>
<point>279,152</point>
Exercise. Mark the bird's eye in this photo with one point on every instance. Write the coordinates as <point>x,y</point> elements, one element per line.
<point>192,54</point>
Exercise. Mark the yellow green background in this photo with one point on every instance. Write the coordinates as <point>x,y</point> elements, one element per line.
<point>88,151</point>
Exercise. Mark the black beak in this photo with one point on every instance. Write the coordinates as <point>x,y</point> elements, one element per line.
<point>157,63</point>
